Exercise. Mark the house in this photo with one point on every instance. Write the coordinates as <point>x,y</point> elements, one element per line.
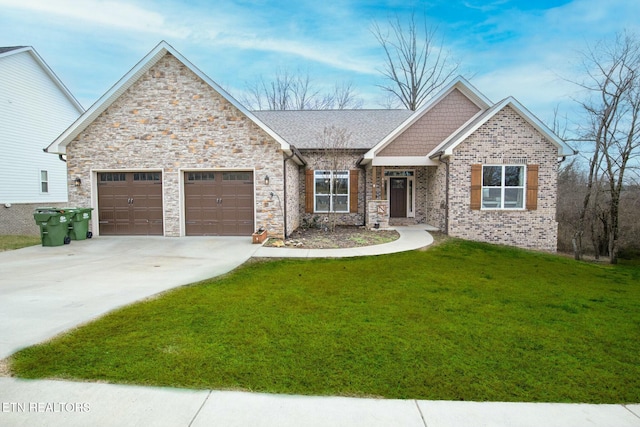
<point>35,107</point>
<point>166,151</point>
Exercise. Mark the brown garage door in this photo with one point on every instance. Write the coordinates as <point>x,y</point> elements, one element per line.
<point>218,203</point>
<point>130,203</point>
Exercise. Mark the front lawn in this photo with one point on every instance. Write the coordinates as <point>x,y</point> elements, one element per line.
<point>10,242</point>
<point>460,321</point>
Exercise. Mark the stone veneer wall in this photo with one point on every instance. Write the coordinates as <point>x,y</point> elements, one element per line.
<point>318,160</point>
<point>505,139</point>
<point>170,120</point>
<point>293,196</point>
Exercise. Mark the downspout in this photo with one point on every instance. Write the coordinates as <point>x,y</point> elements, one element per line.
<point>446,193</point>
<point>366,209</point>
<point>294,152</point>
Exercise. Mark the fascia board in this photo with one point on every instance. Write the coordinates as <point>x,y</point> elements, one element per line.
<point>403,161</point>
<point>524,113</point>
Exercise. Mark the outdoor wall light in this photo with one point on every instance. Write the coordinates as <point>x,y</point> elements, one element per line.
<point>77,182</point>
<point>266,180</point>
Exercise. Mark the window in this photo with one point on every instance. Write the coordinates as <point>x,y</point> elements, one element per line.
<point>236,176</point>
<point>146,176</point>
<point>331,191</point>
<point>503,186</point>
<point>113,176</point>
<point>44,181</point>
<point>201,176</point>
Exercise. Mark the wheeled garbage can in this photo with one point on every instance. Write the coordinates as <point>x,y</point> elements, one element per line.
<point>79,223</point>
<point>53,223</point>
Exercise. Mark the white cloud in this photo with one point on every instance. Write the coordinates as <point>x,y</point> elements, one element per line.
<point>109,13</point>
<point>331,56</point>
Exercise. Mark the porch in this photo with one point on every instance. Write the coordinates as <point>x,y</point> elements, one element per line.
<point>405,196</point>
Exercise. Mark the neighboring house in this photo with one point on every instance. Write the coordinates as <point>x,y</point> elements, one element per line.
<point>35,107</point>
<point>166,151</point>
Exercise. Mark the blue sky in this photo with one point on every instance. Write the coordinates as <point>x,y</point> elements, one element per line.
<point>523,48</point>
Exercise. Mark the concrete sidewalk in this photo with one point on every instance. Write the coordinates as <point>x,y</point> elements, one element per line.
<point>411,237</point>
<point>44,291</point>
<point>65,404</point>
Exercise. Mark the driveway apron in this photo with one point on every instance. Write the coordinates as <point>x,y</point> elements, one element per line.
<point>47,290</point>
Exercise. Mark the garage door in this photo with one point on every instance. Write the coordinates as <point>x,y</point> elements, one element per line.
<point>218,203</point>
<point>130,203</point>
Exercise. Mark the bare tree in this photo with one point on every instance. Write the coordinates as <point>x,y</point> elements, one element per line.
<point>613,109</point>
<point>416,65</point>
<point>337,160</point>
<point>296,91</point>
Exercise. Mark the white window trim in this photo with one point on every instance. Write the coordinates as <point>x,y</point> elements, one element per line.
<point>502,189</point>
<point>315,199</point>
<point>41,181</point>
<point>411,209</point>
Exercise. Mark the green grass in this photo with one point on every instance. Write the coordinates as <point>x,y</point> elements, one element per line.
<point>461,321</point>
<point>8,243</point>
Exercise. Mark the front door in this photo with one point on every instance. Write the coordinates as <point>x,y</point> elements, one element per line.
<point>398,197</point>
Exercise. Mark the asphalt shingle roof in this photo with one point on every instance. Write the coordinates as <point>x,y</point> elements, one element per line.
<point>303,128</point>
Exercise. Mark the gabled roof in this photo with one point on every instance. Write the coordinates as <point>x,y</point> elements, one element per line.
<point>14,50</point>
<point>59,145</point>
<point>459,83</point>
<point>10,48</point>
<point>303,128</point>
<point>447,147</point>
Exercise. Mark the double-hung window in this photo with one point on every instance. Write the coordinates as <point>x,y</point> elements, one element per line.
<point>331,191</point>
<point>503,186</point>
<point>44,181</point>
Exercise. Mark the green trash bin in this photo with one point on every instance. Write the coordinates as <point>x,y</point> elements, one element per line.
<point>79,223</point>
<point>53,224</point>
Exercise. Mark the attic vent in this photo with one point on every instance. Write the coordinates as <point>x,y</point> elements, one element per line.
<point>514,160</point>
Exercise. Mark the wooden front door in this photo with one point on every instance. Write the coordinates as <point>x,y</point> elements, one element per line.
<point>398,197</point>
<point>130,203</point>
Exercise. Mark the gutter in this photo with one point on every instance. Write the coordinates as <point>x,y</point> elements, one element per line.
<point>59,155</point>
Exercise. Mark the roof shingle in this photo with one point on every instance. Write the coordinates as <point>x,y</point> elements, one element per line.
<point>303,128</point>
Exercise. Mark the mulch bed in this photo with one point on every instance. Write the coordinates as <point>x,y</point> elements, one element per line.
<point>342,237</point>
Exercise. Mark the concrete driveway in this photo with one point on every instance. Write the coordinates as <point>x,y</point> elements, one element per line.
<point>48,290</point>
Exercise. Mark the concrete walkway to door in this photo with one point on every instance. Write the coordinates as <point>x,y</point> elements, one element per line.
<point>48,290</point>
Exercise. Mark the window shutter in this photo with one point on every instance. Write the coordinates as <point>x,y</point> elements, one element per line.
<point>476,187</point>
<point>353,191</point>
<point>308,188</point>
<point>532,187</point>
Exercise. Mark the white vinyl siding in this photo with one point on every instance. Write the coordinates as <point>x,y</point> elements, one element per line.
<point>34,110</point>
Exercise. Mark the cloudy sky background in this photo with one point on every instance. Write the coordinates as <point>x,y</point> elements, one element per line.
<point>524,48</point>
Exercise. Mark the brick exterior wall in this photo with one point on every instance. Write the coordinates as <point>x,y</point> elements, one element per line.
<point>434,127</point>
<point>505,139</point>
<point>18,219</point>
<point>171,120</point>
<point>436,200</point>
<point>318,160</point>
